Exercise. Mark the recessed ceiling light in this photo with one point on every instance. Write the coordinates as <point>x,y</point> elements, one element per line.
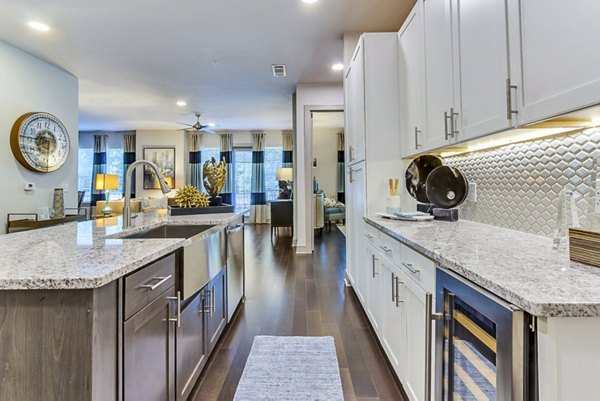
<point>212,124</point>
<point>310,1</point>
<point>38,26</point>
<point>337,67</point>
<point>181,103</point>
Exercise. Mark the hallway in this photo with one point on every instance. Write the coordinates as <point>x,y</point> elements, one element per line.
<point>299,295</point>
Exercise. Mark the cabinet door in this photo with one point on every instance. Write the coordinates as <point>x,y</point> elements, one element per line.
<point>438,72</point>
<point>356,192</point>
<point>559,69</point>
<point>414,380</point>
<point>412,84</point>
<point>355,107</point>
<point>217,311</point>
<point>393,337</point>
<point>149,352</point>
<point>191,345</point>
<point>481,49</point>
<point>373,295</point>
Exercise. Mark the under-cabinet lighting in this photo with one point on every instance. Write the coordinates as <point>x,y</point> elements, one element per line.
<point>310,1</point>
<point>337,67</point>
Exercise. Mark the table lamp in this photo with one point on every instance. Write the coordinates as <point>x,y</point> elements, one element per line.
<point>107,182</point>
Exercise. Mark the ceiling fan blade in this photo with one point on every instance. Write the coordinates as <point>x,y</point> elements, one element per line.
<point>210,131</point>
<point>189,125</point>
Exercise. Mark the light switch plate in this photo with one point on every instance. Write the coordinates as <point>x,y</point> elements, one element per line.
<point>29,186</point>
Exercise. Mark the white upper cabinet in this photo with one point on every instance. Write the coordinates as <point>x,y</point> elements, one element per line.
<point>355,107</point>
<point>481,54</point>
<point>467,76</point>
<point>411,59</point>
<point>439,85</point>
<point>560,56</point>
<point>372,100</point>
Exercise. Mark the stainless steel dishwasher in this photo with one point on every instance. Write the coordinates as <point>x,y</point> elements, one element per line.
<point>235,266</point>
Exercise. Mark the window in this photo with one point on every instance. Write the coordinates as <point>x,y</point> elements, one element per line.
<point>114,165</point>
<point>84,172</point>
<point>273,161</point>
<point>242,177</point>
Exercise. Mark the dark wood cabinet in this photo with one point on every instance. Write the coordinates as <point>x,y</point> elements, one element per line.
<point>191,344</point>
<point>217,309</point>
<point>149,351</point>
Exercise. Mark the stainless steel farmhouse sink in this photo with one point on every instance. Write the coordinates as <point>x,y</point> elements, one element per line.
<point>204,256</point>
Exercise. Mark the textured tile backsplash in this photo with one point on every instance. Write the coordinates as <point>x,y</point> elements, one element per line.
<point>518,185</point>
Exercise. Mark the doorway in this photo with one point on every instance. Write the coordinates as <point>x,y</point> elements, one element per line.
<point>328,172</point>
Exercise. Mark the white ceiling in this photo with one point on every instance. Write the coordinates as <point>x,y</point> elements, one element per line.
<point>135,58</point>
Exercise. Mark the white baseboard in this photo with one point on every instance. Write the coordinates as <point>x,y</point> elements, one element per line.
<point>303,250</point>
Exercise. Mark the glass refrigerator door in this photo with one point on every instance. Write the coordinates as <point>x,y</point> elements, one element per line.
<point>475,341</point>
<point>470,353</point>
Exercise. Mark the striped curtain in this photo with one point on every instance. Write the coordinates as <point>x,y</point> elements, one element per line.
<point>258,196</point>
<point>227,154</point>
<point>341,184</point>
<point>288,148</point>
<point>128,159</point>
<point>99,167</point>
<point>195,176</point>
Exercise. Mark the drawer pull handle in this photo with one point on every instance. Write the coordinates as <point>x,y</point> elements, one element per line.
<point>369,236</point>
<point>385,248</point>
<point>410,267</point>
<point>161,281</point>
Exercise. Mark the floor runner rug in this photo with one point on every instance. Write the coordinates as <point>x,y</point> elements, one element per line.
<point>291,369</point>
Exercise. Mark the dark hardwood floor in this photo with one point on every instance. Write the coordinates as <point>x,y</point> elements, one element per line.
<point>301,295</point>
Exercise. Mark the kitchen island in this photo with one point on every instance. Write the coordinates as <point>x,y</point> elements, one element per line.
<point>68,292</point>
<point>520,270</point>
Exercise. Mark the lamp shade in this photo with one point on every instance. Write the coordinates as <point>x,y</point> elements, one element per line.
<point>106,182</point>
<point>284,174</point>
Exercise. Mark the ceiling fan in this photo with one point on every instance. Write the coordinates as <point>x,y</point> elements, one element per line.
<point>198,127</point>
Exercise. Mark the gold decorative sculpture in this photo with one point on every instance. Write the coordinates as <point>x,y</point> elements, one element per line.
<point>214,176</point>
<point>189,196</point>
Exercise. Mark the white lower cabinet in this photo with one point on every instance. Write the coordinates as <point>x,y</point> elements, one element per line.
<point>395,303</point>
<point>373,279</point>
<point>393,333</point>
<point>414,379</point>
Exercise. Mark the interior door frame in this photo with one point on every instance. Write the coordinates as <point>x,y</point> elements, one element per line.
<point>308,162</point>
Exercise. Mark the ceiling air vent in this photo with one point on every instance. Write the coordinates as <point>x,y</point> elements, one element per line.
<point>279,70</point>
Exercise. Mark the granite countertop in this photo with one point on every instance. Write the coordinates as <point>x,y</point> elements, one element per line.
<point>518,267</point>
<point>88,254</point>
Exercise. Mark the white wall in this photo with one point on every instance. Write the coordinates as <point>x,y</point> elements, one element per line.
<point>29,84</point>
<point>243,138</point>
<point>308,95</point>
<point>325,151</point>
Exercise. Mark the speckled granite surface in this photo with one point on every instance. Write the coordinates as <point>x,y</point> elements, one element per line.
<point>521,268</point>
<point>89,254</point>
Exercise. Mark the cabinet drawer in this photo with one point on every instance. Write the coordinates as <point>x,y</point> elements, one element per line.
<point>419,268</point>
<point>390,248</point>
<point>371,235</point>
<point>146,284</point>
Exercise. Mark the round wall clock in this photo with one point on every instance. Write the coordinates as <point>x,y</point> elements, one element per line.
<point>40,142</point>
